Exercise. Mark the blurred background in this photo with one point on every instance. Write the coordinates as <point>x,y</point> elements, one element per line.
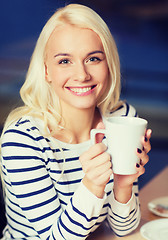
<point>140,29</point>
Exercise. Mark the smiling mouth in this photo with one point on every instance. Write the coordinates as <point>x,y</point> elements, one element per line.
<point>80,90</point>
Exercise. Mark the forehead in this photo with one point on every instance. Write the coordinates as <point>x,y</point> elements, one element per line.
<point>70,38</point>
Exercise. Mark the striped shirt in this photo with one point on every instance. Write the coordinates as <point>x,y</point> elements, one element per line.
<point>40,204</point>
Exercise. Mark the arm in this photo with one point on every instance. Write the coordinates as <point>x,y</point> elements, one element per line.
<point>124,212</point>
<point>35,201</point>
<point>123,218</point>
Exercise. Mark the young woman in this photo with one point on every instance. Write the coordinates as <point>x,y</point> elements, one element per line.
<point>57,185</point>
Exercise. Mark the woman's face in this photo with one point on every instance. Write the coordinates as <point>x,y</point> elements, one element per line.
<point>76,66</point>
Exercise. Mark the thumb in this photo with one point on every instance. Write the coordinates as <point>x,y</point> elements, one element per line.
<point>99,136</point>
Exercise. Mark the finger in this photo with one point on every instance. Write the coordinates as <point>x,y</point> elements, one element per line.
<point>144,158</point>
<point>146,145</point>
<point>96,162</point>
<point>145,141</point>
<point>93,151</point>
<point>100,170</point>
<point>149,133</point>
<point>101,179</point>
<point>99,136</point>
<point>104,178</point>
<point>140,170</point>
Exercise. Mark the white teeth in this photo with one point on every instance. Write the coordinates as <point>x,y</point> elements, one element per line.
<point>80,90</point>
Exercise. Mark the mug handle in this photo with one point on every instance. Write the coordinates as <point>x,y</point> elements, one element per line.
<point>93,133</point>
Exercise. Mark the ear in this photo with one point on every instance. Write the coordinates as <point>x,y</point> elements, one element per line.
<point>46,73</point>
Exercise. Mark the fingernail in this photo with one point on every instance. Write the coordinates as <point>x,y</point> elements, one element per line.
<point>145,138</point>
<point>137,165</point>
<point>139,150</point>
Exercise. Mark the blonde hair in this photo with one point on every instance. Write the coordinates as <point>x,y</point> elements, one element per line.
<point>38,97</point>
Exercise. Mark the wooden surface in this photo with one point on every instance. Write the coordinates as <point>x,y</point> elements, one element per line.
<point>156,188</point>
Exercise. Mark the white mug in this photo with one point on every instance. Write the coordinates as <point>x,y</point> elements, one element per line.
<point>124,136</point>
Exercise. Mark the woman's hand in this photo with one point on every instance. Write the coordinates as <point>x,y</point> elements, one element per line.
<point>123,183</point>
<point>96,164</point>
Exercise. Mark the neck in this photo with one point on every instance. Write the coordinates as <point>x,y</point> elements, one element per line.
<point>78,123</point>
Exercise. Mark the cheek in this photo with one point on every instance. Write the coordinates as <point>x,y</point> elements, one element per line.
<point>59,82</point>
<point>103,72</point>
<point>104,79</point>
<point>104,76</point>
<point>57,77</point>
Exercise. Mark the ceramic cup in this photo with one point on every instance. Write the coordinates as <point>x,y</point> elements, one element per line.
<point>123,136</point>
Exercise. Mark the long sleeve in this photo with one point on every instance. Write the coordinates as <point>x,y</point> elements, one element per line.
<point>124,218</point>
<point>33,203</point>
<point>40,204</point>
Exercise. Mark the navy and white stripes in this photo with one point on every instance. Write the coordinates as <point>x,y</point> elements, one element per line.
<point>40,204</point>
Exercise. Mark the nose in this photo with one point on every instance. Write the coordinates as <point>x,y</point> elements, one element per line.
<point>81,73</point>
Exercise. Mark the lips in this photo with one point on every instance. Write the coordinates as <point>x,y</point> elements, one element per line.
<point>83,91</point>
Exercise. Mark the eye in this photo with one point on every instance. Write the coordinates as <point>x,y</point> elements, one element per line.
<point>64,61</point>
<point>94,59</point>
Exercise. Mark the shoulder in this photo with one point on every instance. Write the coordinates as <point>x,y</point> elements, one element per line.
<point>25,129</point>
<point>124,109</point>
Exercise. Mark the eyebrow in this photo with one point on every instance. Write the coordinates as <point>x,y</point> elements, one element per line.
<point>98,51</point>
<point>62,54</point>
<point>67,54</point>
